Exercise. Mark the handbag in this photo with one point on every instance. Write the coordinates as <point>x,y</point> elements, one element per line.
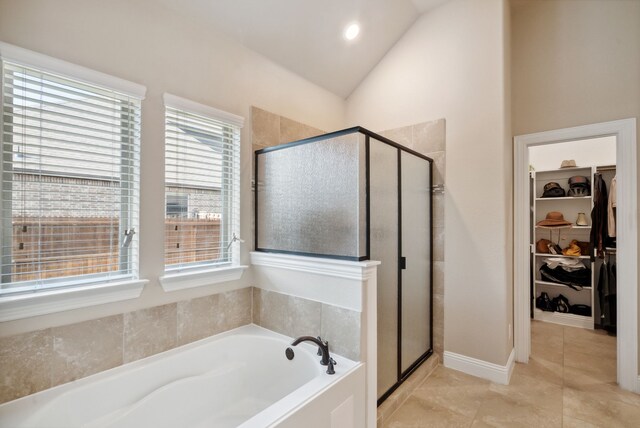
<point>543,302</point>
<point>580,309</point>
<point>561,304</point>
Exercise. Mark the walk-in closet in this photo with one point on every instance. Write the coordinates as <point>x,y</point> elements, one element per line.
<point>573,233</point>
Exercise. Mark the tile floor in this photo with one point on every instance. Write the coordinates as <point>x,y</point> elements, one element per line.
<point>569,382</point>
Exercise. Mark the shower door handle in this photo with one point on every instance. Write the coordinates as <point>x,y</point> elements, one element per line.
<point>403,262</point>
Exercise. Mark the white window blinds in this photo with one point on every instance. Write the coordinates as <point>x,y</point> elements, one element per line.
<point>70,181</point>
<point>202,165</point>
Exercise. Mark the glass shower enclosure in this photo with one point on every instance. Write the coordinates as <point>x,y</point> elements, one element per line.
<point>355,195</point>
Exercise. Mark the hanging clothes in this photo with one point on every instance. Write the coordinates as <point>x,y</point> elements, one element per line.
<point>611,211</point>
<point>607,293</point>
<point>599,221</point>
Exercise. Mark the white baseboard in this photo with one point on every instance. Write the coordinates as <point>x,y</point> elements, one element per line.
<point>479,368</point>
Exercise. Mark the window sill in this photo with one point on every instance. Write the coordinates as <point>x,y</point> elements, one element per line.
<point>201,277</point>
<point>48,302</point>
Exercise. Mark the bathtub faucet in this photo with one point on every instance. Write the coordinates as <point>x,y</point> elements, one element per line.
<point>323,347</point>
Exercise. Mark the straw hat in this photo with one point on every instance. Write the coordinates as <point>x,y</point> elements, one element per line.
<point>554,219</point>
<point>570,163</point>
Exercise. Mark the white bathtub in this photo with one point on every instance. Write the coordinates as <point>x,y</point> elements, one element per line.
<point>237,378</point>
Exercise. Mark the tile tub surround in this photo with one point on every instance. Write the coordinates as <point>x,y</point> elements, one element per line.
<point>429,139</point>
<point>39,360</point>
<point>295,316</point>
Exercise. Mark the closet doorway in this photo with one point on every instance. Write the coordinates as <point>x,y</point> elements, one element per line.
<point>535,148</point>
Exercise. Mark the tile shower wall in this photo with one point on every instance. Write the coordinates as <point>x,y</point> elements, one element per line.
<point>269,129</point>
<point>35,361</point>
<point>295,317</point>
<point>428,138</point>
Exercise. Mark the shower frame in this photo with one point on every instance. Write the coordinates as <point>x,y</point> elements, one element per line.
<point>401,375</point>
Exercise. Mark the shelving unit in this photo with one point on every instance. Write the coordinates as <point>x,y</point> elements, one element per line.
<point>569,207</point>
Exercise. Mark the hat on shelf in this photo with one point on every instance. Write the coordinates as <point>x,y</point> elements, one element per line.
<point>579,181</point>
<point>569,163</point>
<point>552,190</point>
<point>553,219</point>
<point>579,185</point>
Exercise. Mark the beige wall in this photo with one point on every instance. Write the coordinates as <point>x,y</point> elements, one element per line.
<point>574,62</point>
<point>451,64</point>
<point>143,42</point>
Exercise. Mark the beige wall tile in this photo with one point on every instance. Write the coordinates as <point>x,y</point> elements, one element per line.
<point>341,327</point>
<point>256,297</point>
<point>303,317</point>
<point>429,137</point>
<point>438,210</point>
<point>234,309</point>
<point>402,136</point>
<point>149,331</point>
<point>25,364</point>
<point>438,323</point>
<point>265,128</point>
<point>438,278</point>
<point>85,348</point>
<point>290,130</point>
<point>271,309</point>
<point>196,318</point>
<point>438,244</point>
<point>209,315</point>
<point>438,343</point>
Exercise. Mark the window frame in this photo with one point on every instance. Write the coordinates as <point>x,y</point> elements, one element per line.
<point>75,291</point>
<point>208,273</point>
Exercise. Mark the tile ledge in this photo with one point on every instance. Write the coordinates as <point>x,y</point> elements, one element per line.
<point>201,277</point>
<point>48,302</point>
<point>317,265</point>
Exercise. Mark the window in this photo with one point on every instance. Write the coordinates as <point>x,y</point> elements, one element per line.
<point>70,177</point>
<point>202,163</point>
<point>177,205</point>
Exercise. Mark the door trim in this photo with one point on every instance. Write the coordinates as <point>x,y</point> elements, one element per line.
<point>627,239</point>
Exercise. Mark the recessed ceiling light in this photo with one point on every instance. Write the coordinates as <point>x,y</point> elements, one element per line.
<point>352,31</point>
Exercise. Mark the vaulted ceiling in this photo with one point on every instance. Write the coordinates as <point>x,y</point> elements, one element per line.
<point>306,36</point>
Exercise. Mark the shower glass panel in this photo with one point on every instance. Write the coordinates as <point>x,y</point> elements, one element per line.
<point>416,250</point>
<point>384,247</point>
<point>312,199</point>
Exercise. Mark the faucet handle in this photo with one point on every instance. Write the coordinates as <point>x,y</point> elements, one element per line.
<point>330,369</point>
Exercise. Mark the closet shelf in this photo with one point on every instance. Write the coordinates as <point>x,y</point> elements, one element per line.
<point>559,255</point>
<point>573,320</point>
<point>565,198</point>
<point>562,227</point>
<point>558,284</point>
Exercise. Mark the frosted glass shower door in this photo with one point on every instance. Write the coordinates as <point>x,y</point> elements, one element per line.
<point>415,287</point>
<point>384,247</point>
